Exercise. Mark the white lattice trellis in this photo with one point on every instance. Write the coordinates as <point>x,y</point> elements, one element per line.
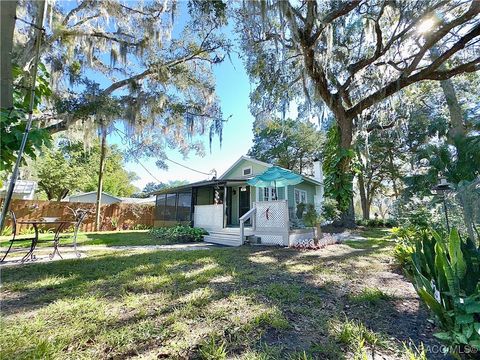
<point>272,240</point>
<point>272,214</point>
<point>272,222</point>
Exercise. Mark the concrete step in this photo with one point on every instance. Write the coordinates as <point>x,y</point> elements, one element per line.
<point>222,233</point>
<point>230,232</point>
<point>223,240</point>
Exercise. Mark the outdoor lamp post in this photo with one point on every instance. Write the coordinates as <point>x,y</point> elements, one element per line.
<point>441,189</point>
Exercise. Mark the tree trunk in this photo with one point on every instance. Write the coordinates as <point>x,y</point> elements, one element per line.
<point>361,189</point>
<point>347,218</point>
<point>319,232</point>
<point>363,197</point>
<point>457,127</point>
<point>8,12</point>
<point>100,179</point>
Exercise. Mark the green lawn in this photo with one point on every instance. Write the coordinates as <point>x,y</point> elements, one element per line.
<point>107,238</point>
<point>245,303</point>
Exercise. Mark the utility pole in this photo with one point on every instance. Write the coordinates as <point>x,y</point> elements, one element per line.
<point>100,177</point>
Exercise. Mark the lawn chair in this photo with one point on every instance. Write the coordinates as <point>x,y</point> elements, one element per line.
<point>14,234</point>
<point>80,215</point>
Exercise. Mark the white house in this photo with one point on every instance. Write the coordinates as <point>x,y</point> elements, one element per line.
<point>24,189</point>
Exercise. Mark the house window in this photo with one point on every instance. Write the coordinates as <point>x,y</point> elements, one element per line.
<point>300,196</point>
<point>174,206</point>
<point>269,194</point>
<point>171,207</point>
<point>160,206</point>
<point>247,171</point>
<point>184,206</point>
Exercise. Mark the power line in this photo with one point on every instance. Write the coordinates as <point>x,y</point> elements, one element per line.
<point>189,168</point>
<point>148,171</point>
<point>166,158</point>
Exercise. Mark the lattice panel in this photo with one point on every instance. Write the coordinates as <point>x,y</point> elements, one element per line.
<point>271,240</point>
<point>272,214</point>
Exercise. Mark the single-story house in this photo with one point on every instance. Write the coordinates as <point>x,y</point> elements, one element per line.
<point>219,204</point>
<point>107,199</point>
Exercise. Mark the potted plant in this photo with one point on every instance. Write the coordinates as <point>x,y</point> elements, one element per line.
<point>314,220</point>
<point>300,210</point>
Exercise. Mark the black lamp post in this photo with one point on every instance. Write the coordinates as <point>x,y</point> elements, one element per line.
<point>441,189</point>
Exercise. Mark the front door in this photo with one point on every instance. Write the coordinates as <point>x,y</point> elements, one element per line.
<point>228,205</point>
<point>243,201</point>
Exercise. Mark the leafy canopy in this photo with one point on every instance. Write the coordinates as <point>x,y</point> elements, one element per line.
<point>288,143</point>
<point>147,65</point>
<point>69,168</point>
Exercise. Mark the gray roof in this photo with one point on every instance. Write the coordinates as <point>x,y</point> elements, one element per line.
<point>129,200</point>
<point>94,192</point>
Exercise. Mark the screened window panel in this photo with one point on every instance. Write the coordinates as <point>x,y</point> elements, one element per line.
<point>184,206</point>
<point>160,207</point>
<point>170,207</point>
<point>300,196</point>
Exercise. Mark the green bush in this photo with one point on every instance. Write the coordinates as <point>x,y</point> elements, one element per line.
<point>446,273</point>
<point>377,223</point>
<point>406,238</point>
<point>330,209</point>
<point>178,234</point>
<point>300,209</point>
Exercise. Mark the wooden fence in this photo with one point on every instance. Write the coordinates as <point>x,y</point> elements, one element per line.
<point>119,216</point>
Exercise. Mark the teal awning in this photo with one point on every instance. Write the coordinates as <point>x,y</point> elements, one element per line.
<point>275,177</point>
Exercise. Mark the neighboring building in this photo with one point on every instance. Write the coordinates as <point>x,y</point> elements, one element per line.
<point>220,203</point>
<point>24,189</point>
<point>129,200</point>
<point>107,199</point>
<point>91,197</point>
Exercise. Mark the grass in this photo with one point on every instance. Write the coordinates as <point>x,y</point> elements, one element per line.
<point>371,296</point>
<point>106,238</point>
<point>235,303</point>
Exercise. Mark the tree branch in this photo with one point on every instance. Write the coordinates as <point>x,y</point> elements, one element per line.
<point>473,10</point>
<point>331,17</point>
<point>428,73</point>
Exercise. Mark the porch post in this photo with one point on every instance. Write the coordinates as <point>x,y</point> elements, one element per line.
<point>225,205</point>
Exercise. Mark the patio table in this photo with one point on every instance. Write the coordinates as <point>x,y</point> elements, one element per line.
<point>60,226</point>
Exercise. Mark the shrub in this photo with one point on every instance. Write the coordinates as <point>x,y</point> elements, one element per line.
<point>377,223</point>
<point>178,234</point>
<point>330,209</point>
<point>300,209</point>
<point>405,238</point>
<point>447,279</point>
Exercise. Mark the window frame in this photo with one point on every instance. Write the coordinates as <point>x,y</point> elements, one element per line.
<point>247,168</point>
<point>271,193</point>
<point>300,193</point>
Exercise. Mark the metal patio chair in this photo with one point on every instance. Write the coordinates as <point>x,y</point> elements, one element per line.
<point>14,234</point>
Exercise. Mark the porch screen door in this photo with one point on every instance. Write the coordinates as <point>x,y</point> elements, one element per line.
<point>243,201</point>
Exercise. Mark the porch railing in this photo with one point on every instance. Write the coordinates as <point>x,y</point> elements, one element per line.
<point>250,214</point>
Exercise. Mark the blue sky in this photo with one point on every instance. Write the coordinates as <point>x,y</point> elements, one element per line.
<point>233,89</point>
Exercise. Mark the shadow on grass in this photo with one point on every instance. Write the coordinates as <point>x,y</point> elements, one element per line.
<point>110,238</point>
<point>262,274</point>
